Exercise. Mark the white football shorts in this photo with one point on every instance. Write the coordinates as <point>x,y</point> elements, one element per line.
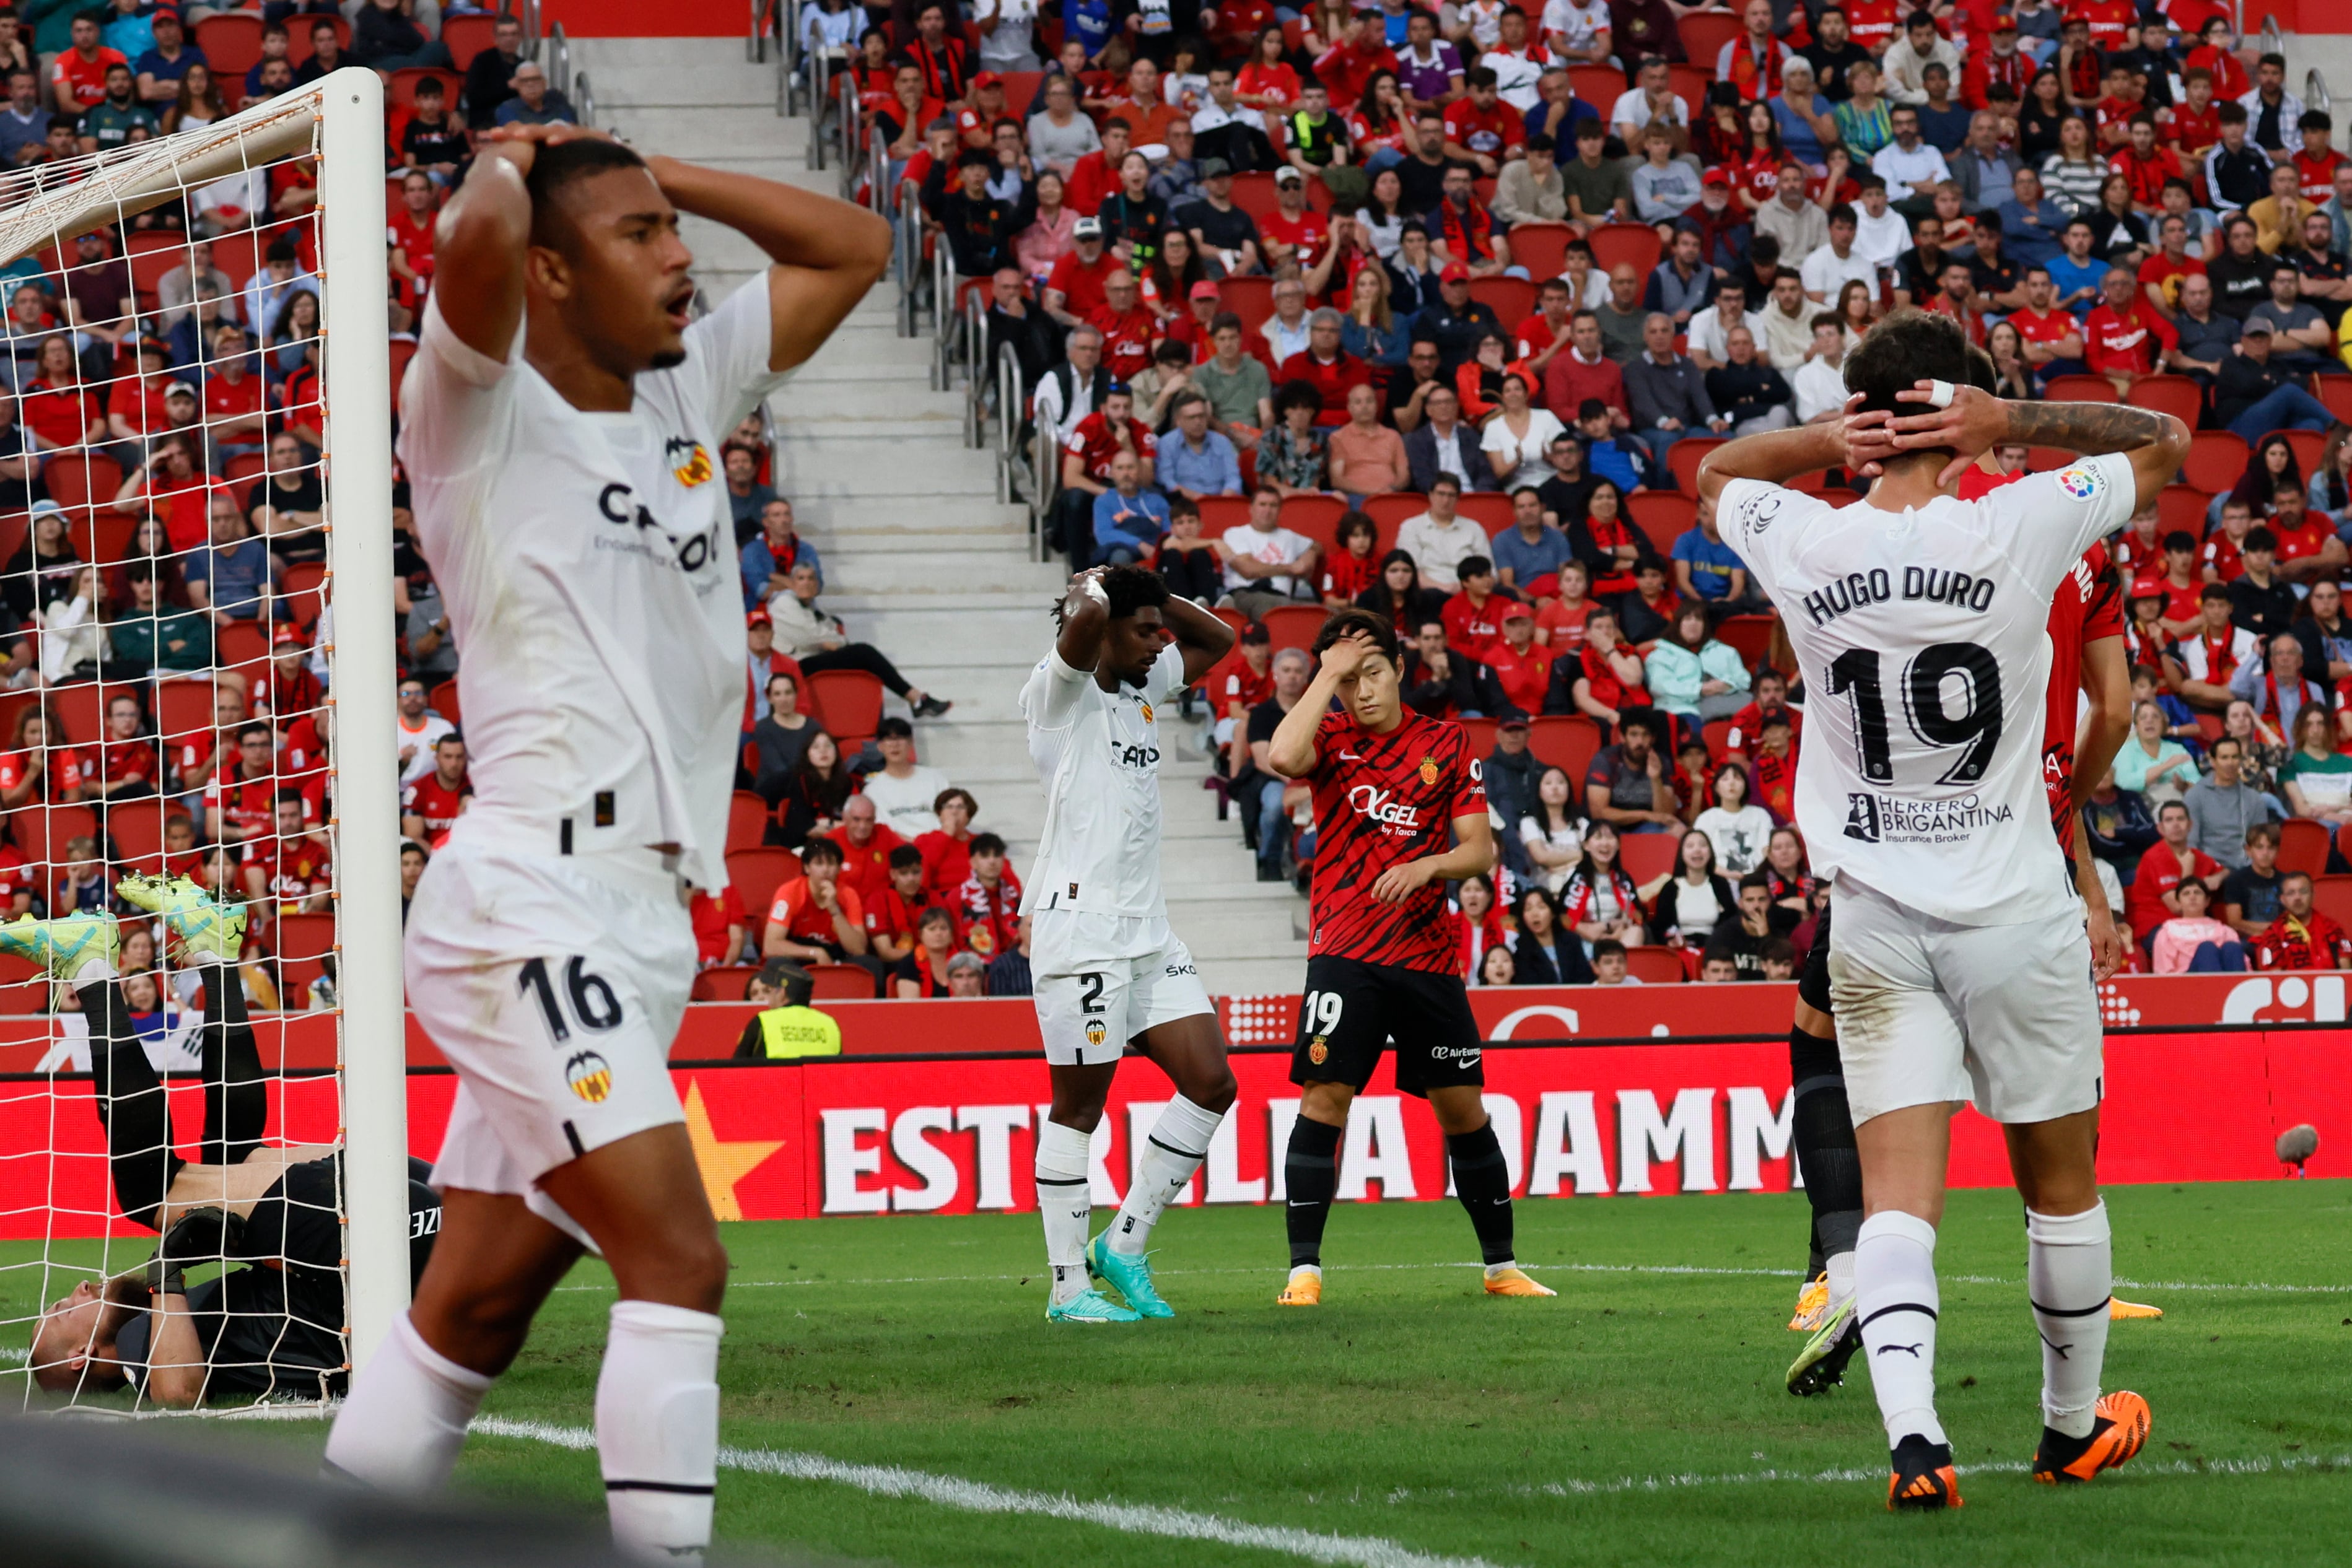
<point>554,986</point>
<point>1100,980</point>
<point>2004,1016</point>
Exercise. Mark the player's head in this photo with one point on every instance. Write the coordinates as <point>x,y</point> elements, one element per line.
<point>1137,630</point>
<point>605,258</point>
<point>1908,347</point>
<point>73,1345</point>
<point>1370,692</point>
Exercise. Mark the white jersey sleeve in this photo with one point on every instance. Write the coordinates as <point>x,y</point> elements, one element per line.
<point>1760,522</point>
<point>2046,521</point>
<point>1049,698</point>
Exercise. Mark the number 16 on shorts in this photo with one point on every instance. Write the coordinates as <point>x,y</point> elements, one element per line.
<point>587,1002</point>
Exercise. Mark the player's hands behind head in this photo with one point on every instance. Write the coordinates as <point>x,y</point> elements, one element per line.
<point>1972,425</point>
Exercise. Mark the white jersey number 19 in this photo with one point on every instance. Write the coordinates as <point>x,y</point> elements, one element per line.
<point>1975,729</point>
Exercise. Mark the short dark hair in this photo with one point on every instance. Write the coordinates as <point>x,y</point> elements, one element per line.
<point>2258,538</point>
<point>820,850</point>
<point>1754,878</point>
<point>2180,538</point>
<point>1353,620</point>
<point>1909,346</point>
<point>1608,948</point>
<point>986,844</point>
<point>905,855</point>
<point>559,166</point>
<point>894,728</point>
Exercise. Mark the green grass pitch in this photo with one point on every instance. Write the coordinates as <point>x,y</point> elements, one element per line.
<point>1639,1417</point>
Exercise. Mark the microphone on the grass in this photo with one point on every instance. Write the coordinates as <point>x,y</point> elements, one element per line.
<point>2296,1144</point>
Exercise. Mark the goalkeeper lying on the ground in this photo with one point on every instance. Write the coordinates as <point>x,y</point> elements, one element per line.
<point>272,1320</point>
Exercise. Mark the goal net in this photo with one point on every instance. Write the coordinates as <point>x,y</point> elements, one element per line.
<point>197,677</point>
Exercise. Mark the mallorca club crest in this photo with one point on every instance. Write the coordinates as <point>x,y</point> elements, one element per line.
<point>2081,483</point>
<point>1317,1049</point>
<point>1429,772</point>
<point>689,461</point>
<point>589,1076</point>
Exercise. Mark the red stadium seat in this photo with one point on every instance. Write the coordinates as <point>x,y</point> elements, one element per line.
<point>136,828</point>
<point>1684,457</point>
<point>1251,299</point>
<point>154,252</point>
<point>1543,248</point>
<point>76,482</point>
<point>757,873</point>
<point>1656,966</point>
<point>1717,732</point>
<point>747,822</point>
<point>1490,510</point>
<point>1480,734</point>
<point>1317,516</point>
<point>467,37</point>
<point>242,643</point>
<point>2336,392</point>
<point>2176,395</point>
<point>1749,636</point>
<point>1662,515</point>
<point>2080,388</point>
<point>1633,244</point>
<point>1219,513</point>
<point>2344,843</point>
<point>2181,507</point>
<point>840,983</point>
<point>442,699</point>
<point>727,983</point>
<point>1294,625</point>
<point>1566,741</point>
<point>1647,856</point>
<point>1514,298</point>
<point>1599,86</point>
<point>43,831</point>
<point>2306,445</point>
<point>2303,846</point>
<point>846,702</point>
<point>2332,896</point>
<point>80,709</point>
<point>303,943</point>
<point>2043,459</point>
<point>1020,86</point>
<point>1690,83</point>
<point>183,706</point>
<point>232,43</point>
<point>401,93</point>
<point>300,27</point>
<point>2217,460</point>
<point>1393,511</point>
<point>1703,34</point>
<point>1253,194</point>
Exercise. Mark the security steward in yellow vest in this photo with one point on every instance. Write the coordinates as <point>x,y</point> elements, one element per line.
<point>786,1027</point>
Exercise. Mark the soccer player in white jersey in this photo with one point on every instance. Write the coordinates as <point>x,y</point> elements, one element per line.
<point>1109,973</point>
<point>1959,964</point>
<point>559,427</point>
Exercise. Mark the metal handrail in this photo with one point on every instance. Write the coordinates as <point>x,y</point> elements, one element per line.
<point>820,100</point>
<point>754,44</point>
<point>978,370</point>
<point>910,262</point>
<point>788,52</point>
<point>2316,95</point>
<point>944,317</point>
<point>1010,406</point>
<point>1047,478</point>
<point>530,30</point>
<point>2271,40</point>
<point>585,104</point>
<point>559,71</point>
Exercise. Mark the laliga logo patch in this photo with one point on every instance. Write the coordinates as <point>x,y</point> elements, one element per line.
<point>2082,484</point>
<point>589,1076</point>
<point>689,461</point>
<point>1095,1032</point>
<point>1428,771</point>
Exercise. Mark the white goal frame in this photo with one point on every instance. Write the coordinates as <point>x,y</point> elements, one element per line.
<point>341,118</point>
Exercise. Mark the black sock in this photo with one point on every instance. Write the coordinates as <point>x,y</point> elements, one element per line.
<point>236,1102</point>
<point>1822,1135</point>
<point>1483,1181</point>
<point>1310,1173</point>
<point>1815,1258</point>
<point>131,1106</point>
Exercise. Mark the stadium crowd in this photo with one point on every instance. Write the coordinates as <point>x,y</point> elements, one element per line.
<point>1435,308</point>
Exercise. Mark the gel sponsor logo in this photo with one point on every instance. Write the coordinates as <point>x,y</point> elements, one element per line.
<point>1383,806</point>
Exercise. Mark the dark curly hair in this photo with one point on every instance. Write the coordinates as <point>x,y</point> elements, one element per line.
<point>1129,589</point>
<point>1910,345</point>
<point>1354,619</point>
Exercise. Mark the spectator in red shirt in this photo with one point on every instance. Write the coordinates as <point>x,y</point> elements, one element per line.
<point>1473,618</point>
<point>947,849</point>
<point>410,236</point>
<point>78,75</point>
<point>867,846</point>
<point>2151,902</point>
<point>718,926</point>
<point>1324,366</point>
<point>289,871</point>
<point>2147,165</point>
<point>2195,123</point>
<point>31,772</point>
<point>1242,681</point>
<point>1346,67</point>
<point>55,408</point>
<point>129,762</point>
<point>1521,664</point>
<point>239,801</point>
<point>431,805</point>
<point>2316,161</point>
<point>814,918</point>
<point>894,909</point>
<point>1074,290</point>
<point>234,415</point>
<point>1291,232</point>
<point>1480,128</point>
<point>2125,337</point>
<point>1095,175</point>
<point>1130,331</point>
<point>988,902</point>
<point>2301,937</point>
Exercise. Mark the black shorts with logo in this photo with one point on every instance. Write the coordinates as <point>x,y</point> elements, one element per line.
<point>1352,1009</point>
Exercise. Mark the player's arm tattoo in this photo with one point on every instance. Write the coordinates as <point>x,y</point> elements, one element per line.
<point>2089,428</point>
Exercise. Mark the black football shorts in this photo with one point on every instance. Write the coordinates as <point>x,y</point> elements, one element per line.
<point>1352,1010</point>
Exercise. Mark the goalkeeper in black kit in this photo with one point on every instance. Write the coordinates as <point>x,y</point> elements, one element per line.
<point>271,1320</point>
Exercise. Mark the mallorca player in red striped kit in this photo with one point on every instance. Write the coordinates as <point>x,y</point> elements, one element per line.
<point>1399,812</point>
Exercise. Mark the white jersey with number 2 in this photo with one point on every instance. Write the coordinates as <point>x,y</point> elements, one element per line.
<point>1921,635</point>
<point>1097,753</point>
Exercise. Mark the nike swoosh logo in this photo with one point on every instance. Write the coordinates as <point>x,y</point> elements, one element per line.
<point>1349,756</point>
<point>1309,1203</point>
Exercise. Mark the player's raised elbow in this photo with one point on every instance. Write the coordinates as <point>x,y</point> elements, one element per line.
<point>1713,475</point>
<point>868,245</point>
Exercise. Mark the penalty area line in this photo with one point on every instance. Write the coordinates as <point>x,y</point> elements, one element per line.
<point>978,1497</point>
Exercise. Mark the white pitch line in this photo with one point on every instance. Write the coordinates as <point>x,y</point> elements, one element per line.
<point>978,1497</point>
<point>2250,1287</point>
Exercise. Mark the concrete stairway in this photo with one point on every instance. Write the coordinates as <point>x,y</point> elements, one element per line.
<point>921,559</point>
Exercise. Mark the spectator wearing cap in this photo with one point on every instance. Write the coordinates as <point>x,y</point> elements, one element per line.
<point>983,106</point>
<point>820,642</point>
<point>763,663</point>
<point>1192,324</point>
<point>1194,460</point>
<point>2253,394</point>
<point>1128,521</point>
<point>904,791</point>
<point>1221,228</point>
<point>1457,322</point>
<point>1075,289</point>
<point>785,1028</point>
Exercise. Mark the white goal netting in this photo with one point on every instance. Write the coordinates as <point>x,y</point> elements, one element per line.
<point>196,679</point>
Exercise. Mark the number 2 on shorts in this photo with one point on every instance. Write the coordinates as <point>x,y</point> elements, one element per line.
<point>592,1002</point>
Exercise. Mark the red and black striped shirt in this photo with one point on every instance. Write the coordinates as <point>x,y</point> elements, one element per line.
<point>1381,801</point>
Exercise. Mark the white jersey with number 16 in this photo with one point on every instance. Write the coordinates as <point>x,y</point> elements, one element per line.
<point>1921,635</point>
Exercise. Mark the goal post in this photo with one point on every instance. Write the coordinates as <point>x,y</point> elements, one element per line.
<point>350,1084</point>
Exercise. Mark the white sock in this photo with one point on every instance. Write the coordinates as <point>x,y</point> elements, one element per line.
<point>2069,1275</point>
<point>404,1420</point>
<point>1177,1143</point>
<point>1895,1298</point>
<point>1066,1204</point>
<point>1841,1271</point>
<point>657,1427</point>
